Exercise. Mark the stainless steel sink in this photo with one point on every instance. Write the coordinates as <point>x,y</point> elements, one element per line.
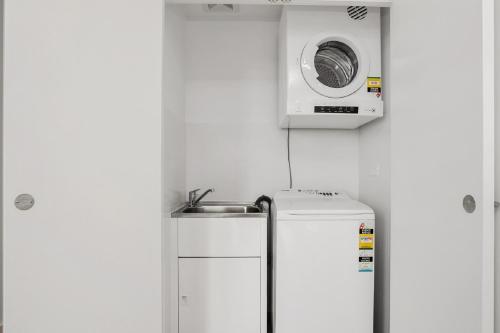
<point>220,209</point>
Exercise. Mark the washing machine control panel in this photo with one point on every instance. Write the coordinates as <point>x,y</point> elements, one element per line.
<point>312,194</point>
<point>319,193</point>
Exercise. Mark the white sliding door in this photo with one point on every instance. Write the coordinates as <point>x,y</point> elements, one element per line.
<point>442,151</point>
<point>82,136</point>
<point>497,168</point>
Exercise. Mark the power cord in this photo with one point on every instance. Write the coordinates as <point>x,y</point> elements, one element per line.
<point>289,164</point>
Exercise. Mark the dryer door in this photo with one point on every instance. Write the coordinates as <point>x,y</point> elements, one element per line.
<point>334,66</point>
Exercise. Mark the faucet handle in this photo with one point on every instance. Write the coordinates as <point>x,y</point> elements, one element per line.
<point>192,195</point>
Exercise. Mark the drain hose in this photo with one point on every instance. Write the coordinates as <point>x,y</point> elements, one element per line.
<point>259,203</point>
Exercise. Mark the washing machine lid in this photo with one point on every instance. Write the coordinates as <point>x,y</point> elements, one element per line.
<point>307,204</point>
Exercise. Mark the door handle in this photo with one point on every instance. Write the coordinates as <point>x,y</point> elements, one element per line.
<point>24,201</point>
<point>497,204</point>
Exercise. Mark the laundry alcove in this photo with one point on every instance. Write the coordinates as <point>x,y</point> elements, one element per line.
<point>221,114</point>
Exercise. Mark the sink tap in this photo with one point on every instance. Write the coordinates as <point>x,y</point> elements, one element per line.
<point>194,199</point>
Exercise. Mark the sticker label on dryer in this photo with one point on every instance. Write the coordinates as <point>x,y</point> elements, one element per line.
<point>374,84</point>
<point>366,241</point>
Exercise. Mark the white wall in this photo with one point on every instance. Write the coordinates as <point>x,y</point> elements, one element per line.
<point>374,184</point>
<point>233,142</point>
<point>174,150</point>
<point>174,104</point>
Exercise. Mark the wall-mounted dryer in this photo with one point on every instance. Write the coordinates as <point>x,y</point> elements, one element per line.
<point>330,67</point>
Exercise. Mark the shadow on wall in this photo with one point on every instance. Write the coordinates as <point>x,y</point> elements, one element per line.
<point>1,165</point>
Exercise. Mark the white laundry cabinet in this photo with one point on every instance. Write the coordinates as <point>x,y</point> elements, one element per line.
<point>219,295</point>
<point>222,275</point>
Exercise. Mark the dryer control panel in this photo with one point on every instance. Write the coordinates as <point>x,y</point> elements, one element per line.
<point>336,109</point>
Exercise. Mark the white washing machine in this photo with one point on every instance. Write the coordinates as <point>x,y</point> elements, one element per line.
<point>323,267</point>
<point>330,67</point>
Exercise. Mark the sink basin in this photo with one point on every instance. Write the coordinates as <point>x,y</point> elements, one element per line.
<point>233,209</point>
<point>220,209</point>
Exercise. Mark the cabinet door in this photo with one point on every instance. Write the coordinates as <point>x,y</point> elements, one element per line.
<point>219,295</point>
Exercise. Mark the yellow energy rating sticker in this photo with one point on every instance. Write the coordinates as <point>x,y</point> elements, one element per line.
<point>366,240</point>
<point>374,84</point>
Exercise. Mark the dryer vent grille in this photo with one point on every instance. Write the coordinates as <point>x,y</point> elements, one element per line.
<point>357,12</point>
<point>224,8</point>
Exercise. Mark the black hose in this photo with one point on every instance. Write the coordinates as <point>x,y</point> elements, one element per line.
<point>258,202</point>
<point>288,156</point>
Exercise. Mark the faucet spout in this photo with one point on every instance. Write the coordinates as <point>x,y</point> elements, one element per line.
<point>194,199</point>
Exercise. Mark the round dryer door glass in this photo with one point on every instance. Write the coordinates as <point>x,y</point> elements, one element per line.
<point>336,64</point>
